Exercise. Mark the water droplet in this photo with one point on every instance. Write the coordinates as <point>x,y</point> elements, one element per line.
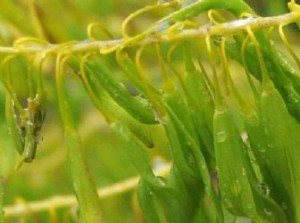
<point>249,206</point>
<point>268,212</point>
<point>284,206</point>
<point>224,187</point>
<point>144,102</point>
<point>160,180</point>
<point>266,131</point>
<point>244,136</point>
<point>158,163</point>
<point>221,136</point>
<point>206,188</point>
<point>188,143</point>
<point>116,94</point>
<point>228,203</point>
<point>262,149</point>
<point>244,173</point>
<point>253,161</point>
<point>295,100</point>
<point>191,160</point>
<point>264,188</point>
<point>236,187</point>
<point>160,118</point>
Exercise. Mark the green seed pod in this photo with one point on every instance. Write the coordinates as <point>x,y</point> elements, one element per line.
<point>86,193</point>
<point>266,192</point>
<point>154,193</point>
<point>266,208</point>
<point>147,203</point>
<point>13,125</point>
<point>130,69</point>
<point>135,150</point>
<point>137,107</point>
<point>111,110</point>
<point>201,108</point>
<point>186,151</point>
<point>164,199</point>
<point>90,207</point>
<point>234,185</point>
<point>286,79</point>
<point>240,190</point>
<point>282,161</point>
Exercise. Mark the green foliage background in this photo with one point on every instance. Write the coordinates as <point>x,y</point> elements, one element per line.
<point>49,175</point>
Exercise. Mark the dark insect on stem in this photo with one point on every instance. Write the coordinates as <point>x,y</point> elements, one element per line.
<point>30,127</point>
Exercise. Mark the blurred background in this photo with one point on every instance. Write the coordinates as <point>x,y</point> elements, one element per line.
<point>48,175</point>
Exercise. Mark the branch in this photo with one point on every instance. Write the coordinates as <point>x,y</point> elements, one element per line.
<point>69,200</point>
<point>109,46</point>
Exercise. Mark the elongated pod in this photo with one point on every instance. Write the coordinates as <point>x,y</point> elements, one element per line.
<point>233,182</point>
<point>186,152</point>
<point>154,193</point>
<point>110,109</point>
<point>13,125</point>
<point>201,107</point>
<point>137,107</point>
<point>281,159</point>
<point>266,193</point>
<point>86,193</point>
